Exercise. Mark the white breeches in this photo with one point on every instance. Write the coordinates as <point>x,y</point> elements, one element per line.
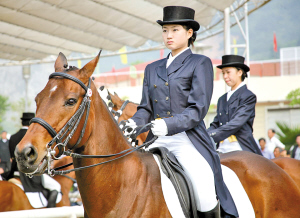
<point>195,166</point>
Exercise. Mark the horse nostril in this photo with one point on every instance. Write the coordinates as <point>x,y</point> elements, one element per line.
<point>29,153</point>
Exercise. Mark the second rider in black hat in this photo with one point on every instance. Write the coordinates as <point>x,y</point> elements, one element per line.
<point>233,125</point>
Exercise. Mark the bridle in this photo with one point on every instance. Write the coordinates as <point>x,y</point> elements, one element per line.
<point>120,111</point>
<point>70,127</point>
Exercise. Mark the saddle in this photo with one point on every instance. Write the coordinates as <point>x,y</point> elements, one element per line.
<point>182,184</point>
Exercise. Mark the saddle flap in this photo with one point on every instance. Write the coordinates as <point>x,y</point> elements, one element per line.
<point>173,170</point>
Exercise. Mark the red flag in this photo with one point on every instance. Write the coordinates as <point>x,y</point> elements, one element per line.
<point>113,69</point>
<point>274,42</point>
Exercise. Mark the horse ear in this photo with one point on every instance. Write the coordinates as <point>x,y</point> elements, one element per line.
<point>109,95</point>
<point>88,69</point>
<point>116,94</point>
<point>61,63</point>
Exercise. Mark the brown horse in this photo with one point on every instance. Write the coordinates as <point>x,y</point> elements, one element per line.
<point>13,198</point>
<point>291,166</point>
<point>130,186</point>
<point>127,113</point>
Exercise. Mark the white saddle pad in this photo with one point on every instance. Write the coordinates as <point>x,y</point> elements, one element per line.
<point>37,199</point>
<point>232,182</point>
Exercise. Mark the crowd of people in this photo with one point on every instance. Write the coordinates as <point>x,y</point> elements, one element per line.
<point>274,148</point>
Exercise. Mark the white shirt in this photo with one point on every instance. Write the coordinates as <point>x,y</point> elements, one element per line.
<point>273,143</point>
<point>171,58</point>
<point>229,94</point>
<point>4,140</point>
<point>227,146</point>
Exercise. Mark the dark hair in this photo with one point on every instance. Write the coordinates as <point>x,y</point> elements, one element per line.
<point>297,136</point>
<point>244,75</point>
<point>273,130</point>
<point>25,122</point>
<point>280,149</point>
<point>192,39</point>
<point>262,139</point>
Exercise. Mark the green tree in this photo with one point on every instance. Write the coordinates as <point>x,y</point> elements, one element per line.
<point>4,105</point>
<point>288,135</point>
<point>294,97</point>
<point>19,108</point>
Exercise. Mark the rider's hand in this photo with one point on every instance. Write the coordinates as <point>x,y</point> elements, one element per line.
<point>159,127</point>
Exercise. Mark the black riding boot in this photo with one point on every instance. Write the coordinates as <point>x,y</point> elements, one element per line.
<point>52,199</point>
<point>214,213</point>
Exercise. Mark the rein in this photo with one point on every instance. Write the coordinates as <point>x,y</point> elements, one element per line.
<point>70,127</point>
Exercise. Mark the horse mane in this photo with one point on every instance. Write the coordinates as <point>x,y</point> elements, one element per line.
<point>71,68</point>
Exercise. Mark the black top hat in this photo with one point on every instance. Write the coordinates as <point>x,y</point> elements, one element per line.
<point>179,15</point>
<point>27,116</point>
<point>234,61</point>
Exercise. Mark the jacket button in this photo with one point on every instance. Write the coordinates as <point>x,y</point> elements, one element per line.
<point>167,98</point>
<point>157,115</point>
<point>220,114</point>
<point>155,101</point>
<point>155,86</point>
<point>221,124</point>
<point>168,112</point>
<point>166,83</point>
<point>226,122</point>
<point>226,112</point>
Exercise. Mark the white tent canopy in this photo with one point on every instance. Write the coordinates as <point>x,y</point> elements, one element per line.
<point>35,29</point>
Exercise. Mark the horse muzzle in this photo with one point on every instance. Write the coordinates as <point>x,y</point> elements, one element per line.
<point>27,160</point>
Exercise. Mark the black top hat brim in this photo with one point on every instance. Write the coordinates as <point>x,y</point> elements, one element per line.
<point>194,24</point>
<point>27,116</point>
<point>235,64</point>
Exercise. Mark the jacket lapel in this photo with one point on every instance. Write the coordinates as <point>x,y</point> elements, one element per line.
<point>161,70</point>
<point>235,95</point>
<point>178,62</point>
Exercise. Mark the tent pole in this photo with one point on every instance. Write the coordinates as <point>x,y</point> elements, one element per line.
<point>227,46</point>
<point>247,41</point>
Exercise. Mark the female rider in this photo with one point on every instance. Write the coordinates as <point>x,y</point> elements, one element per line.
<point>233,125</point>
<point>176,95</point>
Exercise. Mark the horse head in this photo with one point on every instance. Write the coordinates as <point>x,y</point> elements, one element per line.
<point>116,100</point>
<point>57,104</point>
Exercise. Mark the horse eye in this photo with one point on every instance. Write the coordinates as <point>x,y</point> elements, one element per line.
<point>71,102</point>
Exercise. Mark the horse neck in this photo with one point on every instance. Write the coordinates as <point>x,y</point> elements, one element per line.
<point>106,130</point>
<point>105,136</point>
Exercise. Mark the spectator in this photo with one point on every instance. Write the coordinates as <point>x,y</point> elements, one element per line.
<point>265,152</point>
<point>279,152</point>
<point>36,184</point>
<point>295,149</point>
<point>4,153</point>
<point>274,142</point>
